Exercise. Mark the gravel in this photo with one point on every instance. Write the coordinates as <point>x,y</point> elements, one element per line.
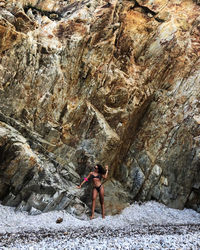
<point>147,226</point>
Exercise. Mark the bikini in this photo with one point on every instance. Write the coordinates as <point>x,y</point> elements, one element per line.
<point>93,176</point>
<point>98,188</point>
<point>99,177</point>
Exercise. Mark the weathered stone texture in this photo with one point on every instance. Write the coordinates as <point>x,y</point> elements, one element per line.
<point>92,81</point>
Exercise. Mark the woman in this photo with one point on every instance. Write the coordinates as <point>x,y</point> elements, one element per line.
<point>96,176</point>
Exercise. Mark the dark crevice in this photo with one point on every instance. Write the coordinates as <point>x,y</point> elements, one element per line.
<point>5,192</point>
<point>53,15</point>
<point>159,20</point>
<point>147,11</point>
<point>28,177</point>
<point>196,190</point>
<point>57,15</point>
<point>197,2</point>
<point>106,5</point>
<point>6,155</point>
<point>63,112</point>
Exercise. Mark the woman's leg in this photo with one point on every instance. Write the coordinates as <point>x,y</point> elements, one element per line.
<point>101,197</point>
<point>94,196</point>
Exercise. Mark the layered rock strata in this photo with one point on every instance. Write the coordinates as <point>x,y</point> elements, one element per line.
<point>115,82</point>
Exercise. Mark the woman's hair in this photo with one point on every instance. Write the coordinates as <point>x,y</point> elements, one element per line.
<point>101,170</point>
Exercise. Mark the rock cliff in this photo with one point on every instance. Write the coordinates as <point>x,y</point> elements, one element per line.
<point>115,82</point>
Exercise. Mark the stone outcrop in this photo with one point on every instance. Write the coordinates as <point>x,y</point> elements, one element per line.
<point>34,181</point>
<point>115,82</point>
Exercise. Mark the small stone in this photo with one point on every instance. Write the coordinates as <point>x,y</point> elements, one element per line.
<point>59,220</point>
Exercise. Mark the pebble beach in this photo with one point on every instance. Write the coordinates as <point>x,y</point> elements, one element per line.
<point>147,226</point>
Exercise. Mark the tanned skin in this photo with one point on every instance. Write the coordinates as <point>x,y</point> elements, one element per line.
<point>96,183</point>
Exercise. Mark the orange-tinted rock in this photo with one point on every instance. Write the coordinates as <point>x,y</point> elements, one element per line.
<point>116,83</point>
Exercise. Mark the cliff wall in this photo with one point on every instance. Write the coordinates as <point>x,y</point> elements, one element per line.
<point>115,82</point>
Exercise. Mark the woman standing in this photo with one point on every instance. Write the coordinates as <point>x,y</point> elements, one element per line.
<point>96,177</point>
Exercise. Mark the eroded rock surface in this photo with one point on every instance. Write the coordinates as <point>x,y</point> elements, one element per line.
<point>96,81</point>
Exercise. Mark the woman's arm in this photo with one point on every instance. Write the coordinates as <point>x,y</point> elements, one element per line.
<point>85,180</point>
<point>106,174</point>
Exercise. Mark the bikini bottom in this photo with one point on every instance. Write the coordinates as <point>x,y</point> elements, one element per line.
<point>98,188</point>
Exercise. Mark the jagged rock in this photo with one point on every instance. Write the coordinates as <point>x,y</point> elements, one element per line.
<point>91,81</point>
<point>28,180</point>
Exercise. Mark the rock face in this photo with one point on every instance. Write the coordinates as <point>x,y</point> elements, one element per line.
<point>92,81</point>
